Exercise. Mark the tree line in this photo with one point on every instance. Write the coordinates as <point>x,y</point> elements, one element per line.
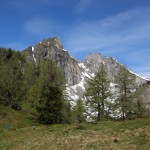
<point>125,102</point>
<point>38,89</point>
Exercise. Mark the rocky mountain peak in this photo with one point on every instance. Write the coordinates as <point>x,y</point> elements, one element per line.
<point>52,48</point>
<point>94,57</point>
<point>93,61</point>
<point>52,42</point>
<point>76,73</point>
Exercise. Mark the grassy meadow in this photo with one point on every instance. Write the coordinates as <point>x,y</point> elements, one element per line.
<point>18,133</point>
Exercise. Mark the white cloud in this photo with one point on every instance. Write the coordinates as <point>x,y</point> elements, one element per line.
<point>82,5</point>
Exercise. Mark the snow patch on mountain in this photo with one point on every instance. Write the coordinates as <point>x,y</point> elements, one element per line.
<point>147,79</point>
<point>65,50</point>
<point>33,54</point>
<point>136,75</point>
<point>32,48</point>
<point>77,91</point>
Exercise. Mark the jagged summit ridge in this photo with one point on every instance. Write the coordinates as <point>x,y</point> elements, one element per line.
<point>52,48</point>
<point>94,60</point>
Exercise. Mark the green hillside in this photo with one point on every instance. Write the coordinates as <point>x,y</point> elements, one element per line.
<point>12,120</point>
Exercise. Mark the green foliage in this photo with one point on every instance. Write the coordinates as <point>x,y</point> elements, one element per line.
<point>139,107</point>
<point>11,119</point>
<point>35,88</point>
<point>30,76</point>
<point>49,106</point>
<point>45,98</point>
<point>11,77</point>
<point>98,91</point>
<point>125,84</point>
<point>66,112</point>
<point>79,111</point>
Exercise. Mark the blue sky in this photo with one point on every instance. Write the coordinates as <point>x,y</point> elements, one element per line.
<point>117,28</point>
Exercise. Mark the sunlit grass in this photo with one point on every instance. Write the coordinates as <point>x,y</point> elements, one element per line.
<point>107,135</point>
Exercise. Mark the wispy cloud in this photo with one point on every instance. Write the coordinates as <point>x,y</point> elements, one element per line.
<point>112,31</point>
<point>115,35</point>
<point>82,5</point>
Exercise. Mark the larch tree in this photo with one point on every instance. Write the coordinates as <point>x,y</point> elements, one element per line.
<point>79,111</point>
<point>140,104</point>
<point>98,91</point>
<point>125,81</point>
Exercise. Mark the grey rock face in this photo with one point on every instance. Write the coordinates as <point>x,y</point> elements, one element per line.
<point>94,60</point>
<point>52,48</point>
<point>146,95</point>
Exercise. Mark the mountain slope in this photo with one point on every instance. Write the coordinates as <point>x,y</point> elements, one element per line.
<point>76,73</point>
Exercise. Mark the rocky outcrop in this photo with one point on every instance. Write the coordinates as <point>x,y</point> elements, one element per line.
<point>52,48</point>
<point>94,60</point>
<point>146,95</point>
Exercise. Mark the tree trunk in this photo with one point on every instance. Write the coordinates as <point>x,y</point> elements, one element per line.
<point>99,112</point>
<point>123,115</point>
<point>102,109</point>
<point>123,110</point>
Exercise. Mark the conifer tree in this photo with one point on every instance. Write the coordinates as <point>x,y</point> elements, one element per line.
<point>46,96</point>
<point>11,78</point>
<point>125,85</point>
<point>66,111</point>
<point>79,111</point>
<point>139,107</point>
<point>98,91</point>
<point>30,75</point>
